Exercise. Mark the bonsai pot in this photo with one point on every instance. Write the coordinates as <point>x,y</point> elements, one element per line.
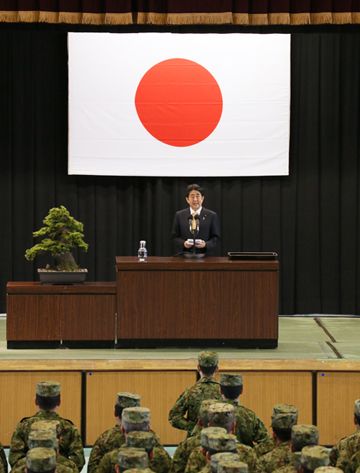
<point>50,276</point>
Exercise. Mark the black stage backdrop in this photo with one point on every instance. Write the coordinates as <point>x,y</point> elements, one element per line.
<point>311,217</point>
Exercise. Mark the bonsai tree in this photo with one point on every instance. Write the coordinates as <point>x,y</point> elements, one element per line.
<point>60,234</point>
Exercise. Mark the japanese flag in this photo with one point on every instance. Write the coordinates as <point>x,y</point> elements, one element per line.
<point>163,104</point>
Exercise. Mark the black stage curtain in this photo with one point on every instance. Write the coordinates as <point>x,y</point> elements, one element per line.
<point>311,217</point>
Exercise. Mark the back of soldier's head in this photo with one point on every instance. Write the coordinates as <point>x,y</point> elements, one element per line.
<point>231,385</point>
<point>303,435</point>
<point>48,395</point>
<point>217,457</point>
<point>282,420</point>
<point>203,416</point>
<point>357,411</point>
<point>123,400</point>
<point>221,443</point>
<point>135,418</point>
<point>41,460</point>
<point>232,466</point>
<point>222,414</point>
<point>314,457</point>
<point>208,362</point>
<point>145,440</point>
<point>132,458</point>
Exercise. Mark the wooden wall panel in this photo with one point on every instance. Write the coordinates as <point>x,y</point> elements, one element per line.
<point>17,394</point>
<point>335,404</point>
<point>158,390</point>
<point>264,389</point>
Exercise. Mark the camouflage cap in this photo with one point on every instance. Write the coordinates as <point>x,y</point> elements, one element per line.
<point>208,358</point>
<point>41,459</point>
<point>227,379</point>
<point>357,407</point>
<point>132,458</point>
<point>204,409</point>
<point>144,440</point>
<point>285,409</point>
<point>139,470</point>
<point>222,442</point>
<point>328,469</point>
<point>42,438</point>
<point>232,466</point>
<point>124,399</point>
<point>283,421</point>
<point>48,388</point>
<point>221,413</point>
<point>204,434</point>
<point>217,457</point>
<point>136,415</point>
<point>51,424</point>
<point>303,435</point>
<point>314,457</point>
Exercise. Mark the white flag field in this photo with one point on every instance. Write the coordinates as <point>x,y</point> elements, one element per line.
<point>163,104</point>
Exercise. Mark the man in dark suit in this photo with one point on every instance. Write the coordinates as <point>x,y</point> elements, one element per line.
<point>195,223</point>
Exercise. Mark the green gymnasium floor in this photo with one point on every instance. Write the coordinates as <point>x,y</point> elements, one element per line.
<point>300,338</point>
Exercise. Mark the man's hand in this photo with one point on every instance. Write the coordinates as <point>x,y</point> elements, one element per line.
<point>200,243</point>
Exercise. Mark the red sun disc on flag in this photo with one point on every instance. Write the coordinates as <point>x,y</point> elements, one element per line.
<point>179,102</point>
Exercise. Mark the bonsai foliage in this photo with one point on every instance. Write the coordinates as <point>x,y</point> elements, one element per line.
<point>60,234</point>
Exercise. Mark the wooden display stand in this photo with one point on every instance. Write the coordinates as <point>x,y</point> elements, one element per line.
<point>48,315</point>
<point>207,302</point>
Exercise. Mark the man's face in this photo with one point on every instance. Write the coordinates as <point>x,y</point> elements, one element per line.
<point>195,200</point>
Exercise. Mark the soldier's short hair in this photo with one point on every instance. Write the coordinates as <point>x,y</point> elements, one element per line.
<point>135,418</point>
<point>283,418</point>
<point>231,385</point>
<point>48,394</point>
<point>314,457</point>
<point>357,410</point>
<point>41,460</point>
<point>303,435</point>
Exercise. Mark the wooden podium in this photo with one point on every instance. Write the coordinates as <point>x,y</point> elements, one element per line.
<point>207,302</point>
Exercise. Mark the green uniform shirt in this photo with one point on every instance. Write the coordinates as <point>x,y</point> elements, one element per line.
<point>184,414</point>
<point>183,451</point>
<point>280,456</point>
<point>109,440</point>
<point>3,460</point>
<point>342,454</point>
<point>159,463</point>
<point>70,444</point>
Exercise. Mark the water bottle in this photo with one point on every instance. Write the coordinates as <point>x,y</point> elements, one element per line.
<point>142,251</point>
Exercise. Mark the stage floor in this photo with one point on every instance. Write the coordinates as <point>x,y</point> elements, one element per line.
<point>300,338</point>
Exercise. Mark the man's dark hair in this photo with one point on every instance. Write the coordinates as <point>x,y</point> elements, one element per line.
<point>118,411</point>
<point>47,403</point>
<point>231,392</point>
<point>194,187</point>
<point>283,434</point>
<point>208,370</point>
<point>357,419</point>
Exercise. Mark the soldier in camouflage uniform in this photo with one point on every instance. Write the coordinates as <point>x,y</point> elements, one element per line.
<point>220,415</point>
<point>281,424</point>
<point>3,460</point>
<point>250,430</point>
<point>342,453</point>
<point>185,412</point>
<point>159,459</point>
<point>185,448</point>
<point>313,458</point>
<point>268,445</point>
<point>44,436</point>
<point>301,436</point>
<point>136,419</point>
<point>114,437</point>
<point>41,460</point>
<point>48,400</point>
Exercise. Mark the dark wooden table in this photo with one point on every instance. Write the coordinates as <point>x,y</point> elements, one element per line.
<point>71,315</point>
<point>208,302</point>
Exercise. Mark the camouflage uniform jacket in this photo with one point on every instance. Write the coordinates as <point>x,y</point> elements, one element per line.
<point>280,456</point>
<point>183,451</point>
<point>250,430</point>
<point>264,447</point>
<point>159,463</point>
<point>197,460</point>
<point>63,465</point>
<point>70,444</point>
<point>342,453</point>
<point>109,440</point>
<point>184,414</point>
<point>3,460</point>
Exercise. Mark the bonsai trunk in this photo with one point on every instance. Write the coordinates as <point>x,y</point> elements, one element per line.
<point>66,262</point>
